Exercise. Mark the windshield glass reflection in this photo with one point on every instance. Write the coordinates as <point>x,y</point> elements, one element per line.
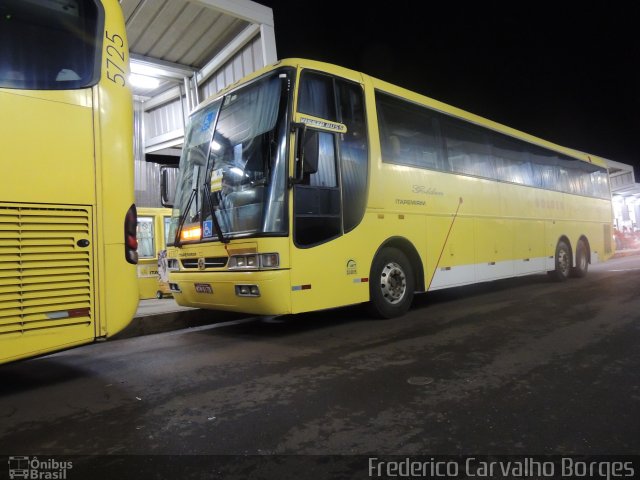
<point>234,165</point>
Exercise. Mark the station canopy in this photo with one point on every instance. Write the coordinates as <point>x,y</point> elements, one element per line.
<point>170,40</point>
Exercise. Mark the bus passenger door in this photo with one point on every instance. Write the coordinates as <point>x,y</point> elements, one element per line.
<point>317,220</point>
<point>329,194</point>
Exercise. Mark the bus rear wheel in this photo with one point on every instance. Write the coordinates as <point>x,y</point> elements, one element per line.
<point>391,284</point>
<point>563,262</point>
<point>582,260</point>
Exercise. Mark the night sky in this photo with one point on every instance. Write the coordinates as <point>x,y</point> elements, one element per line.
<point>566,74</point>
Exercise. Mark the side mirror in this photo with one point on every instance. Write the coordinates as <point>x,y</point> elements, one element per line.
<point>168,186</point>
<point>307,151</point>
<point>300,130</point>
<point>311,152</point>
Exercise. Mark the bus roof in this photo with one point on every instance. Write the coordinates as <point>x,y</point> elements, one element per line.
<point>413,97</point>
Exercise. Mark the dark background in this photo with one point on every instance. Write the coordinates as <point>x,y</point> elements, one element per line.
<point>568,74</point>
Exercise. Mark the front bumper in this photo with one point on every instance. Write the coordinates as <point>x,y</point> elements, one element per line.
<point>217,291</point>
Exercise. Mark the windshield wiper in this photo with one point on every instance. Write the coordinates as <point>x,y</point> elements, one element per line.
<point>183,217</point>
<point>214,219</point>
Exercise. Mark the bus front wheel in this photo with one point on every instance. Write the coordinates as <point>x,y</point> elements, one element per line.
<point>391,284</point>
<point>562,261</point>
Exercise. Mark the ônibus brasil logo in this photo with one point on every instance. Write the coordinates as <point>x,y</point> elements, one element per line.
<point>35,469</point>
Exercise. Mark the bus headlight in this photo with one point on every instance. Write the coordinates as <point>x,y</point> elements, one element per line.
<point>247,291</point>
<point>254,261</point>
<point>243,262</point>
<point>269,260</point>
<point>172,265</point>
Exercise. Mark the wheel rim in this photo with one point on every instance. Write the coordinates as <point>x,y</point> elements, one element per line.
<point>563,261</point>
<point>393,283</point>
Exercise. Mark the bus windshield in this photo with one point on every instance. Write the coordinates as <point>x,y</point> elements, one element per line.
<point>233,166</point>
<point>49,45</point>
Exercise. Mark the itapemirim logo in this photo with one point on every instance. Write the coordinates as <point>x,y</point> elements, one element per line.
<point>35,469</point>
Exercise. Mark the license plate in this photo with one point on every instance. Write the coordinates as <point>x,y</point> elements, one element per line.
<point>203,288</point>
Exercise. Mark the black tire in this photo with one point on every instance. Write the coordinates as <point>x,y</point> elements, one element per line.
<point>159,295</point>
<point>563,262</point>
<point>582,260</point>
<point>391,284</point>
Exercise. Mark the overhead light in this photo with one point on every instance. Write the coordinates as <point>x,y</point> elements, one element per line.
<point>143,81</point>
<point>159,69</point>
<point>144,69</point>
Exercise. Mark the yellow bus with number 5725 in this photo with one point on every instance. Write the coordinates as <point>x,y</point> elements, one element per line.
<point>308,186</point>
<point>67,218</point>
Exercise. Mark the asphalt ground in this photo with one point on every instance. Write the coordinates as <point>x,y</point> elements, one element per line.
<point>520,367</point>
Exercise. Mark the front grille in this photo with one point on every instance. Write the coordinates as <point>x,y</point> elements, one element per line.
<point>209,262</point>
<point>45,277</point>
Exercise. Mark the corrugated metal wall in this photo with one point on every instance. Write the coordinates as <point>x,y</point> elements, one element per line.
<point>164,119</point>
<point>619,181</point>
<point>146,174</point>
<point>165,122</point>
<point>246,61</point>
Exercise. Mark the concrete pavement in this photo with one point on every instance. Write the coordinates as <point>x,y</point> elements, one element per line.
<point>157,316</point>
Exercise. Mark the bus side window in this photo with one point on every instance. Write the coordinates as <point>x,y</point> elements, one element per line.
<point>145,236</point>
<point>354,152</point>
<point>468,149</point>
<point>408,133</point>
<point>316,96</point>
<point>322,149</point>
<point>317,199</point>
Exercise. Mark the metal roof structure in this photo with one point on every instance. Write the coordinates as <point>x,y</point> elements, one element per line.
<point>623,182</point>
<point>182,51</point>
<point>170,40</point>
<point>625,194</point>
<point>178,31</point>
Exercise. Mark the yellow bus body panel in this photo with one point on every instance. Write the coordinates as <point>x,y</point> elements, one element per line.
<point>65,190</point>
<point>42,136</point>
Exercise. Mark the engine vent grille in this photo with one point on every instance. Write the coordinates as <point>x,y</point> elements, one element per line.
<point>45,272</point>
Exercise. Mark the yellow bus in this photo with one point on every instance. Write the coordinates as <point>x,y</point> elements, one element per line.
<point>308,186</point>
<point>152,233</point>
<point>67,219</point>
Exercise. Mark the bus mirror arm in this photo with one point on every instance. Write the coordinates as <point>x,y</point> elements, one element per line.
<point>300,130</point>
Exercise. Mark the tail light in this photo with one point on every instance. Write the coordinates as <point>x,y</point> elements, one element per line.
<point>130,240</point>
